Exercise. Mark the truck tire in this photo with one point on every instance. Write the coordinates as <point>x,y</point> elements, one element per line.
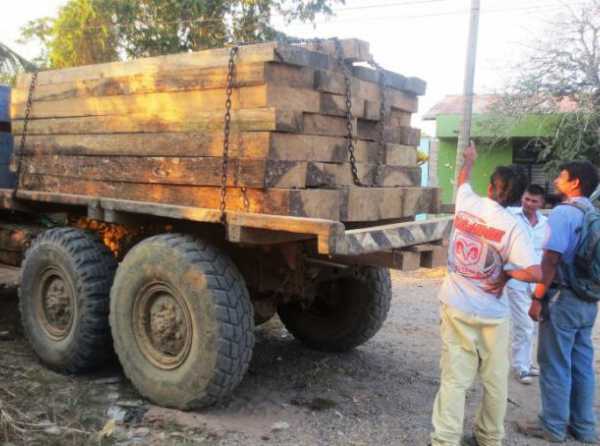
<point>346,312</point>
<point>182,321</point>
<point>63,299</point>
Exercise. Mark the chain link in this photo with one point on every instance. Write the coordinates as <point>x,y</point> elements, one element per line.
<point>227,130</point>
<point>28,107</point>
<point>349,117</point>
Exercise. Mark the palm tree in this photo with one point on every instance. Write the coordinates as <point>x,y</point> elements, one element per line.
<point>11,62</point>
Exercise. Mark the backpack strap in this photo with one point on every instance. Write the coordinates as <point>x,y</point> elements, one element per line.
<point>582,207</point>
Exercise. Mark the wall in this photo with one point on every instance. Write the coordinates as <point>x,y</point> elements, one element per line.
<point>486,163</point>
<point>489,158</point>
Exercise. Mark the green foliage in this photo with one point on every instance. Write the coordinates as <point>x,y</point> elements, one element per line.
<point>559,83</point>
<point>10,64</point>
<point>94,31</point>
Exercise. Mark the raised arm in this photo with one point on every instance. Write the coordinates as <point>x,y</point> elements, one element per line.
<point>469,157</point>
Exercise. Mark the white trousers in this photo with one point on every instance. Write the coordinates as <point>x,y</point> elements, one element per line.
<point>523,329</point>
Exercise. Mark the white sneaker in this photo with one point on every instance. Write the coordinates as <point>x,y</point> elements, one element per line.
<point>534,371</point>
<point>523,377</point>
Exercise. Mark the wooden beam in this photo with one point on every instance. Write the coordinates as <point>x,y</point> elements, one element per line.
<point>171,120</point>
<point>180,104</point>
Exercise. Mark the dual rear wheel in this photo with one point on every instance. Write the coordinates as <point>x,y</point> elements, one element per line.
<point>181,319</point>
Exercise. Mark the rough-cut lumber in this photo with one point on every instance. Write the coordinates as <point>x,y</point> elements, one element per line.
<point>246,145</point>
<point>349,205</point>
<point>317,203</point>
<point>183,104</point>
<point>331,175</point>
<point>369,204</point>
<point>172,170</point>
<point>334,82</point>
<point>399,155</point>
<point>352,50</point>
<point>172,80</point>
<point>151,131</point>
<point>392,80</point>
<point>265,52</point>
<point>206,171</point>
<point>264,119</point>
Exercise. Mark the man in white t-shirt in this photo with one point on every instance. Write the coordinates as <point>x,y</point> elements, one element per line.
<point>475,316</point>
<point>519,293</point>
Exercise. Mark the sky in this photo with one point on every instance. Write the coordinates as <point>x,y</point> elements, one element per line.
<point>423,38</point>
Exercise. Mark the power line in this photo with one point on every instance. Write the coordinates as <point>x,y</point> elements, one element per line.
<point>201,21</point>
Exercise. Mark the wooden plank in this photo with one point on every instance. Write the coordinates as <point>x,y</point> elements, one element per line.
<point>335,105</point>
<point>264,52</point>
<point>393,80</point>
<point>265,119</point>
<point>201,171</point>
<point>371,204</point>
<point>314,124</point>
<point>334,82</point>
<point>206,171</point>
<point>173,80</point>
<point>336,175</point>
<point>400,155</point>
<point>352,50</point>
<point>250,145</point>
<point>300,203</point>
<point>396,135</point>
<point>185,103</point>
<point>246,145</point>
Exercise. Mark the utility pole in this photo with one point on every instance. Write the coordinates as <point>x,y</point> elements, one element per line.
<point>464,134</point>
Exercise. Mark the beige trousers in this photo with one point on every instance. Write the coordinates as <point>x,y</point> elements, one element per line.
<point>471,345</point>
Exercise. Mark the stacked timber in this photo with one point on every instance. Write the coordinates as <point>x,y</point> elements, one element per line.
<point>152,130</point>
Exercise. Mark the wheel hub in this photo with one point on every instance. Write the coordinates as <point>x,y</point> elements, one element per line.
<point>56,304</point>
<point>162,326</point>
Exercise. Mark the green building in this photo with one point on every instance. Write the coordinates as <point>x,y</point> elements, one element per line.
<point>497,143</point>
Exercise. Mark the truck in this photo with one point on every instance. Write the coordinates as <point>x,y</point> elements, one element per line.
<point>176,290</point>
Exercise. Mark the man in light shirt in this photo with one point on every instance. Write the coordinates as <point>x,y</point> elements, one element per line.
<point>519,293</point>
<point>475,315</point>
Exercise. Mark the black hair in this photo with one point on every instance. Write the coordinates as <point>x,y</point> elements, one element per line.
<point>536,189</point>
<point>508,185</point>
<point>585,172</point>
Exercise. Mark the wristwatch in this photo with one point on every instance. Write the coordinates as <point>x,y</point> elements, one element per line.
<point>534,297</point>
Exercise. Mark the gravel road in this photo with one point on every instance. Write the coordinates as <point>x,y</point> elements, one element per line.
<point>380,394</point>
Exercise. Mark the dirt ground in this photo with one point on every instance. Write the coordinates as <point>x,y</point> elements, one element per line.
<point>380,394</point>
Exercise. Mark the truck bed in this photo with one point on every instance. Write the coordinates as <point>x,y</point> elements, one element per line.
<point>333,239</point>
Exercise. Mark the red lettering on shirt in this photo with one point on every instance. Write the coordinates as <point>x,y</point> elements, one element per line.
<point>465,223</point>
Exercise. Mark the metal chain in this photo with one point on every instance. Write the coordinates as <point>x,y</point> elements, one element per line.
<point>227,130</point>
<point>28,108</point>
<point>349,118</point>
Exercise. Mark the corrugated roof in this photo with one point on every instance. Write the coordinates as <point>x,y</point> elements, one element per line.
<point>453,105</point>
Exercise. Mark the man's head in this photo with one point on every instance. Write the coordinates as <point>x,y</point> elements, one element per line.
<point>576,179</point>
<point>533,198</point>
<point>506,186</point>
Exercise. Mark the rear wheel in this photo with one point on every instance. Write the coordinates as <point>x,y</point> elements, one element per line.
<point>345,313</point>
<point>182,321</point>
<point>63,299</point>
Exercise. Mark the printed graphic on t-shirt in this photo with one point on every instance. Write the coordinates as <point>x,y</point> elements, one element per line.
<point>473,255</point>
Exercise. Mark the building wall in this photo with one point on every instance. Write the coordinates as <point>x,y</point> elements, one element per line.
<point>533,126</point>
<point>487,161</point>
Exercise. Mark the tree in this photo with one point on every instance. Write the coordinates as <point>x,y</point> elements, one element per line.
<point>11,63</point>
<point>559,83</point>
<point>92,31</point>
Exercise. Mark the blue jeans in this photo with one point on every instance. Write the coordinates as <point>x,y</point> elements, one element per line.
<point>566,359</point>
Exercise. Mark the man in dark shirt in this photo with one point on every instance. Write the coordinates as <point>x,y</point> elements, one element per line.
<point>565,351</point>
